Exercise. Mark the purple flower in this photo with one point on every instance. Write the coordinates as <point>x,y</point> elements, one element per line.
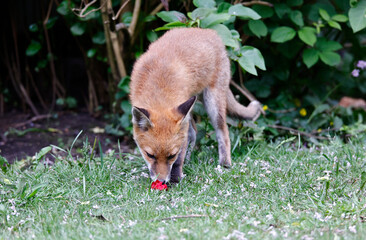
<point>361,64</point>
<point>355,72</point>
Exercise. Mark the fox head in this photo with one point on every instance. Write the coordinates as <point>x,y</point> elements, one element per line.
<point>162,136</point>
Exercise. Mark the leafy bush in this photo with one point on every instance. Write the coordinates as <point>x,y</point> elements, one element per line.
<point>295,56</point>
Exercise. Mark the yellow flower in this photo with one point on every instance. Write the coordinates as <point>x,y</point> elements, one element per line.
<point>319,130</point>
<point>265,108</point>
<point>297,102</point>
<point>331,123</point>
<point>303,112</point>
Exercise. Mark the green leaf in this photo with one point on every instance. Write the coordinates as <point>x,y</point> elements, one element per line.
<point>225,35</point>
<point>204,3</point>
<point>296,17</point>
<point>324,14</point>
<point>283,34</point>
<point>42,63</point>
<point>294,3</point>
<point>307,35</point>
<point>77,29</point>
<point>247,65</point>
<point>33,48</point>
<point>99,38</point>
<point>63,8</point>
<point>151,36</point>
<point>334,24</point>
<point>33,27</point>
<point>310,57</point>
<point>263,11</point>
<point>35,189</point>
<point>324,45</point>
<point>127,18</point>
<point>172,16</point>
<point>223,7</point>
<point>91,52</point>
<point>214,18</point>
<point>250,58</point>
<point>51,21</point>
<point>330,58</point>
<point>258,28</point>
<point>200,13</point>
<point>43,152</point>
<point>171,25</point>
<point>340,18</point>
<point>357,16</point>
<point>150,18</point>
<point>281,9</point>
<point>244,13</point>
<point>126,106</point>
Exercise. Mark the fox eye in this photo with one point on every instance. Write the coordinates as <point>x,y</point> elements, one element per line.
<point>170,157</point>
<point>150,155</point>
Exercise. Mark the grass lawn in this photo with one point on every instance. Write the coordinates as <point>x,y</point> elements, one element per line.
<point>274,190</point>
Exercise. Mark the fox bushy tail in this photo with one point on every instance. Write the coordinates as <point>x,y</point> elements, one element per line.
<point>252,112</point>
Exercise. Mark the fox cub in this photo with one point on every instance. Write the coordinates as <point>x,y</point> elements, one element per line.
<point>165,82</point>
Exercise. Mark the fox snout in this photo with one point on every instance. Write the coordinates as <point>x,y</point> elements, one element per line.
<point>162,173</point>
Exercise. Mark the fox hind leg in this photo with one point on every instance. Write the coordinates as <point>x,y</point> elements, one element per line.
<point>216,110</point>
<point>192,133</point>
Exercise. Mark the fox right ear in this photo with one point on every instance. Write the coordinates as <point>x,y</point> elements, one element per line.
<point>140,117</point>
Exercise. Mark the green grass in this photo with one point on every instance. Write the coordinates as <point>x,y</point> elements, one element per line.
<point>272,191</point>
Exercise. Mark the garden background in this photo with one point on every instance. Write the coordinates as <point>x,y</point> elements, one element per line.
<point>64,109</point>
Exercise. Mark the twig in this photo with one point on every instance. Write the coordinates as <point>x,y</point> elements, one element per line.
<point>30,76</point>
<point>180,217</point>
<point>156,10</point>
<point>56,86</point>
<point>33,119</point>
<point>110,55</point>
<point>244,91</point>
<point>135,16</point>
<point>82,11</point>
<point>282,111</point>
<point>14,73</point>
<point>295,132</point>
<point>256,2</point>
<point>120,10</point>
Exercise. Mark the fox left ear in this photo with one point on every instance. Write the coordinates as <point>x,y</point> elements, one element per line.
<point>186,107</point>
<point>141,117</point>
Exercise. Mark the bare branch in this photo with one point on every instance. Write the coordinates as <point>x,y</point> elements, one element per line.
<point>257,2</point>
<point>180,217</point>
<point>82,11</point>
<point>33,119</point>
<point>135,16</point>
<point>157,9</point>
<point>294,131</point>
<point>120,10</point>
<point>245,91</point>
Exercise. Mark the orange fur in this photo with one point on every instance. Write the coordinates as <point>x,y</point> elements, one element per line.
<point>179,65</point>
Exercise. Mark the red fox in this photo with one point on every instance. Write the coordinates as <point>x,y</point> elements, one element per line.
<point>165,82</point>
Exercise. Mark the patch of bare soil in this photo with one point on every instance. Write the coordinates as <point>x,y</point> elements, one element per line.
<point>21,135</point>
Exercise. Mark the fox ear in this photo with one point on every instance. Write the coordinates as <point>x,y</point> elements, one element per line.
<point>140,117</point>
<point>186,107</point>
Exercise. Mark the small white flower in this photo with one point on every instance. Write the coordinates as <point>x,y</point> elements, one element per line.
<point>132,223</point>
<point>256,223</point>
<point>269,217</point>
<point>352,229</point>
<point>219,221</point>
